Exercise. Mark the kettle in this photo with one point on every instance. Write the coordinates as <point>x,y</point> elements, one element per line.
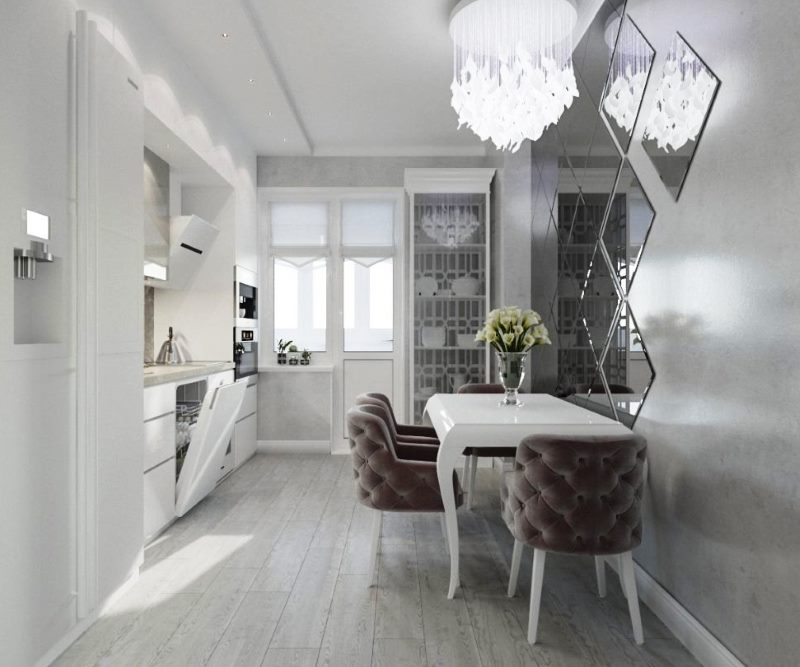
<point>170,352</point>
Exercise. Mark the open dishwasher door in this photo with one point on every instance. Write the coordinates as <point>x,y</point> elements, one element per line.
<point>206,452</point>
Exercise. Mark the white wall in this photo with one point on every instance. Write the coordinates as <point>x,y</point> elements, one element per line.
<point>37,541</point>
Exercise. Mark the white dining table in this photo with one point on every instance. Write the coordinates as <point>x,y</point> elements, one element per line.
<point>478,420</point>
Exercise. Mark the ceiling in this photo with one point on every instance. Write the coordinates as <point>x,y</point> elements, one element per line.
<point>341,77</point>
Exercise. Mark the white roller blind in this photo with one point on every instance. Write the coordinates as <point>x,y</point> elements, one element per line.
<point>368,223</point>
<point>299,224</point>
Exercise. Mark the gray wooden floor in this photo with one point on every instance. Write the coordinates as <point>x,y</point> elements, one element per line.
<point>271,569</point>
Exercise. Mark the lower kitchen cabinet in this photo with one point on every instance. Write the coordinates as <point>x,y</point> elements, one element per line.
<point>244,438</point>
<point>159,498</point>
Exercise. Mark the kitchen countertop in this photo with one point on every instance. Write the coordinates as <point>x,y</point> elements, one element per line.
<point>163,373</point>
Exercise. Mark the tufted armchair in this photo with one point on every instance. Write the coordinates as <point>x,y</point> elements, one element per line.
<point>577,495</point>
<point>384,480</point>
<point>425,435</point>
<point>473,453</point>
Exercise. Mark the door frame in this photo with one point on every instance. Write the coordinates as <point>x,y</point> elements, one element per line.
<point>335,253</point>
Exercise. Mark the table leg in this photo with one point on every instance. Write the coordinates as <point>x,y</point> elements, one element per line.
<point>445,465</point>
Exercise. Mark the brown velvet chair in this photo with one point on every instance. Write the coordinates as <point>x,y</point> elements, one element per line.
<point>423,435</point>
<point>577,495</point>
<point>473,453</point>
<point>385,481</point>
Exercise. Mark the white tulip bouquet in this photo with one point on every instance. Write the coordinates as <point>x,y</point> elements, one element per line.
<point>513,330</point>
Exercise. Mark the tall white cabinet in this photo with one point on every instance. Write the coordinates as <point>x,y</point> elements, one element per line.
<point>450,279</point>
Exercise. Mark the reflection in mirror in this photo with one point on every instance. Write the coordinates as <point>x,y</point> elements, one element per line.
<point>627,228</point>
<point>682,104</point>
<point>626,366</point>
<point>627,77</point>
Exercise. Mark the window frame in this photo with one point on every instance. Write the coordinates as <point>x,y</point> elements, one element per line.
<point>335,253</point>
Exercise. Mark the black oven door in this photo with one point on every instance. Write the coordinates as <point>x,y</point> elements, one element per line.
<point>245,357</point>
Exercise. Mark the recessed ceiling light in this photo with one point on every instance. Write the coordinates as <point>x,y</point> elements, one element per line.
<point>269,114</point>
<point>284,140</point>
<point>252,80</point>
<point>225,35</point>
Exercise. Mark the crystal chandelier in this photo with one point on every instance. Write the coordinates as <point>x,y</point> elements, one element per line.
<point>513,75</point>
<point>630,67</point>
<point>683,98</point>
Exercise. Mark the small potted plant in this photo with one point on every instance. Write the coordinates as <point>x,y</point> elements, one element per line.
<point>294,357</point>
<point>305,357</point>
<point>282,347</point>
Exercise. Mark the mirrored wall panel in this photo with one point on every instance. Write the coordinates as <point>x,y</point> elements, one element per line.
<point>590,224</point>
<point>630,68</point>
<point>628,223</point>
<point>682,104</point>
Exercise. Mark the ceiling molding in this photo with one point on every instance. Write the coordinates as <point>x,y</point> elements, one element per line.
<point>400,151</point>
<point>269,54</point>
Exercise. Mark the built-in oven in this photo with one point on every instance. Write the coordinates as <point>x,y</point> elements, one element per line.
<point>245,351</point>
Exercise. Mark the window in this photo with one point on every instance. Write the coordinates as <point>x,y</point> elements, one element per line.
<point>368,304</point>
<point>300,301</point>
<point>350,242</point>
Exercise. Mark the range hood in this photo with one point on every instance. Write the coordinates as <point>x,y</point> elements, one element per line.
<point>190,239</point>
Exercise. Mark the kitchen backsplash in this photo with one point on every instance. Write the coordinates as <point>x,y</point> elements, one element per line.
<point>149,326</point>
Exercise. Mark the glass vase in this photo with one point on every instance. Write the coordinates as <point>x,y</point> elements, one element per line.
<point>511,366</point>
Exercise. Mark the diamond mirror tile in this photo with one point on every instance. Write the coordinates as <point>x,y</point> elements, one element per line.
<point>626,366</point>
<point>675,122</point>
<point>627,77</point>
<point>630,218</point>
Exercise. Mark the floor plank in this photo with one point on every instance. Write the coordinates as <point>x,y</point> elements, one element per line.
<point>272,567</point>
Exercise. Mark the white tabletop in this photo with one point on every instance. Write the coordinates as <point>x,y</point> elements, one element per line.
<point>482,421</point>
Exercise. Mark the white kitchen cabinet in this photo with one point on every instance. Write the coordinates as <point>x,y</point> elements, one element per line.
<point>245,438</point>
<point>159,439</point>
<point>244,434</point>
<point>159,498</point>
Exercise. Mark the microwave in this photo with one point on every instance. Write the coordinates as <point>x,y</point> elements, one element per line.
<point>245,298</point>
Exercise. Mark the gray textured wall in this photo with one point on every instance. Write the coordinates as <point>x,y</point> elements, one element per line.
<point>294,406</point>
<point>359,172</point>
<point>718,300</point>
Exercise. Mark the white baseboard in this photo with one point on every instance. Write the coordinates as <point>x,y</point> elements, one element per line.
<point>705,647</point>
<point>293,446</point>
<point>85,623</point>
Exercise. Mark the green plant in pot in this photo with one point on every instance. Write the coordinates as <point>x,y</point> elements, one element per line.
<point>283,345</point>
<point>294,357</point>
<point>305,358</point>
<point>513,332</point>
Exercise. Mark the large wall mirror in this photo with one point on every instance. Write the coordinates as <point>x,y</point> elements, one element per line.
<point>591,221</point>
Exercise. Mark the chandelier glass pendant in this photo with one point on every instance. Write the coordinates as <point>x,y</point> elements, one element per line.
<point>630,68</point>
<point>513,75</point>
<point>683,99</point>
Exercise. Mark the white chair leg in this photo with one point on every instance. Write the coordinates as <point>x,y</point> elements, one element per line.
<point>516,558</point>
<point>628,576</point>
<point>377,520</point>
<point>536,594</point>
<point>444,533</point>
<point>620,570</point>
<point>473,469</point>
<point>600,569</point>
